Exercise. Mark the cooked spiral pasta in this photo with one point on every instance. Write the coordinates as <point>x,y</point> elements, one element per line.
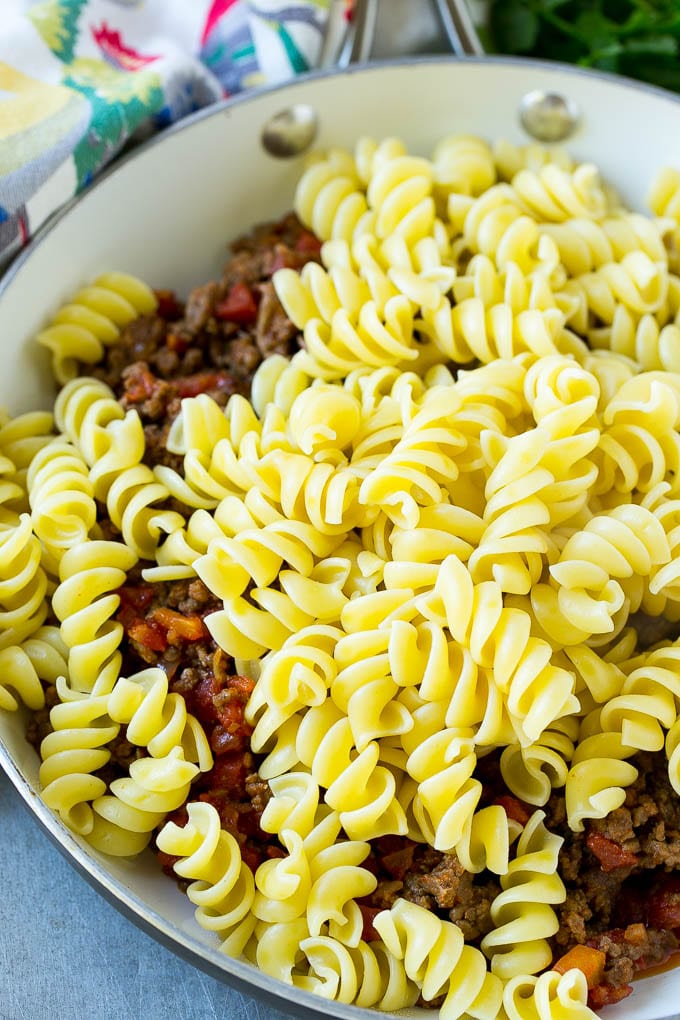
<point>330,198</point>
<point>437,960</point>
<point>464,164</point>
<point>664,200</point>
<point>538,691</point>
<point>334,349</point>
<point>642,339</point>
<point>71,755</point>
<point>598,777</point>
<point>415,472</point>
<point>222,886</point>
<point>110,449</point>
<point>436,535</point>
<point>21,438</point>
<point>85,602</point>
<point>627,540</point>
<point>132,504</point>
<point>124,819</point>
<point>510,159</point>
<point>469,331</point>
<point>92,320</point>
<point>61,495</point>
<point>523,911</point>
<point>639,446</point>
<point>554,195</point>
<point>23,584</point>
<point>24,668</point>
<point>82,404</point>
<point>551,996</point>
<point>156,719</point>
<point>13,497</point>
<point>361,790</point>
<point>533,772</point>
<point>635,282</point>
<point>113,444</point>
<point>367,974</point>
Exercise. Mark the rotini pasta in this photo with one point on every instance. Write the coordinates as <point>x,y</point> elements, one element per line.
<point>92,319</point>
<point>397,611</point>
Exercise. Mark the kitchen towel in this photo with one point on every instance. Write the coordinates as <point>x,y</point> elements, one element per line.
<point>82,79</point>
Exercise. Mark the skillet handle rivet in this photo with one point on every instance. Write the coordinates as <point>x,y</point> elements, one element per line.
<point>548,116</point>
<point>290,132</point>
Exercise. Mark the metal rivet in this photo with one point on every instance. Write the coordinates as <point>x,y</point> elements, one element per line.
<point>548,116</point>
<point>290,132</point>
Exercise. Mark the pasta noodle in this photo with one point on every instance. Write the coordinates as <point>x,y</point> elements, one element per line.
<point>413,569</point>
<point>92,319</point>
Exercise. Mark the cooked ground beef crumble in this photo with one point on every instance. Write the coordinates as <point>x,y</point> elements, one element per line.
<point>622,874</point>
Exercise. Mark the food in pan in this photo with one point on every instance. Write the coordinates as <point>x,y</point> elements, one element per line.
<point>351,584</point>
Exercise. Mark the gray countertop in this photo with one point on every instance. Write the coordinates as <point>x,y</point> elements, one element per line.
<point>67,953</point>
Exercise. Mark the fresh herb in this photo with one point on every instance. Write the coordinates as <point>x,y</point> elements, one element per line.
<point>638,38</point>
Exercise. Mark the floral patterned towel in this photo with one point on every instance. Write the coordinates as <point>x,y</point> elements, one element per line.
<point>81,78</point>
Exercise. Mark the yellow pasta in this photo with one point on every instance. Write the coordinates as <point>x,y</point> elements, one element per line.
<point>431,534</point>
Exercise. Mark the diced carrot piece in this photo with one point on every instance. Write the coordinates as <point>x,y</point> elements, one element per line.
<point>590,961</point>
<point>179,628</point>
<point>147,635</point>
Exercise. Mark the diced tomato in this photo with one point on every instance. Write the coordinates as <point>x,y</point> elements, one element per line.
<point>146,634</point>
<point>238,306</point>
<point>398,863</point>
<point>607,995</point>
<point>308,243</point>
<point>590,962</point>
<point>514,808</point>
<point>386,845</point>
<point>192,385</point>
<point>251,857</point>
<point>663,904</point>
<point>137,596</point>
<point>369,934</point>
<point>200,700</point>
<point>178,627</point>
<point>169,307</point>
<point>229,774</point>
<point>142,386</point>
<point>610,854</point>
<point>243,684</point>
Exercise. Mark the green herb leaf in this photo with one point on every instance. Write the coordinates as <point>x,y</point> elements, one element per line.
<point>651,44</point>
<point>638,38</point>
<point>514,26</point>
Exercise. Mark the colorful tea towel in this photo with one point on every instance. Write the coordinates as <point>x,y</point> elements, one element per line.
<point>80,79</point>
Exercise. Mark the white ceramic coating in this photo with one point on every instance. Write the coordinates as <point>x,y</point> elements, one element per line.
<point>168,213</point>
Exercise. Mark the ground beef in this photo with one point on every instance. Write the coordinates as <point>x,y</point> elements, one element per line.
<point>214,343</point>
<point>214,332</point>
<point>38,725</point>
<point>431,879</point>
<point>619,875</point>
<point>214,693</point>
<point>274,332</point>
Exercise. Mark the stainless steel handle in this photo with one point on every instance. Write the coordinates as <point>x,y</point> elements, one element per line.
<point>359,43</point>
<point>458,25</point>
<point>350,40</point>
